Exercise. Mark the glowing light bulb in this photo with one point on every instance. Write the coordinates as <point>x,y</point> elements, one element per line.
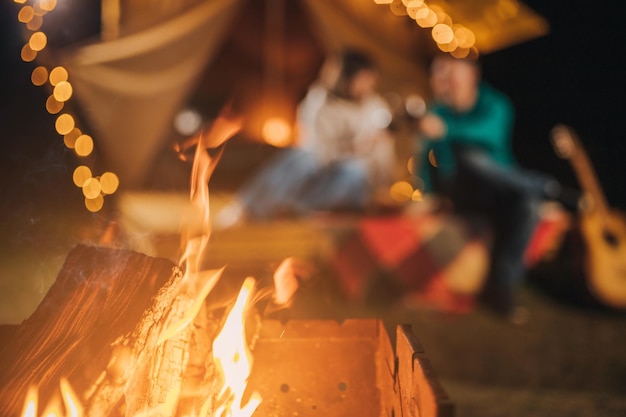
<point>38,41</point>
<point>426,18</point>
<point>276,131</point>
<point>26,14</point>
<point>83,145</point>
<point>81,174</point>
<point>39,76</point>
<point>48,5</point>
<point>53,106</point>
<point>92,188</point>
<point>64,124</point>
<point>57,75</point>
<point>442,33</point>
<point>27,53</point>
<point>414,6</point>
<point>94,204</point>
<point>62,91</point>
<point>35,23</point>
<point>109,182</point>
<point>401,191</point>
<point>70,138</point>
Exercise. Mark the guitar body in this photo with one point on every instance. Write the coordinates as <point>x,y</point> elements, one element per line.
<point>603,229</point>
<point>604,261</point>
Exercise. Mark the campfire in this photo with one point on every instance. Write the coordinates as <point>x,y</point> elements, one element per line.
<point>123,334</point>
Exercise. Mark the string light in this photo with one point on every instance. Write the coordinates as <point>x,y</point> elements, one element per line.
<point>450,37</point>
<point>93,187</point>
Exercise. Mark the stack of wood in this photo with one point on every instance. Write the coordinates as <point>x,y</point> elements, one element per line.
<point>99,327</point>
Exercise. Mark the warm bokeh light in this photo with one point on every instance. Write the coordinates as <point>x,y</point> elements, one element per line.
<point>32,16</point>
<point>464,36</point>
<point>426,18</point>
<point>70,138</point>
<point>460,53</point>
<point>39,11</point>
<point>48,5</point>
<point>94,204</point>
<point>81,174</point>
<point>417,196</point>
<point>38,41</point>
<point>57,75</point>
<point>53,105</point>
<point>63,91</point>
<point>401,191</point>
<point>432,159</point>
<point>28,54</point>
<point>64,124</point>
<point>92,188</point>
<point>276,131</point>
<point>442,33</point>
<point>415,106</point>
<point>383,1</point>
<point>187,122</point>
<point>381,117</point>
<point>26,14</point>
<point>109,182</point>
<point>414,6</point>
<point>448,47</point>
<point>39,76</point>
<point>410,165</point>
<point>443,18</point>
<point>445,32</point>
<point>83,145</point>
<point>35,23</point>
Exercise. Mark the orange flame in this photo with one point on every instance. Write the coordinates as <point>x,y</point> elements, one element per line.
<point>233,358</point>
<point>70,399</point>
<point>73,406</point>
<point>30,403</point>
<point>195,241</point>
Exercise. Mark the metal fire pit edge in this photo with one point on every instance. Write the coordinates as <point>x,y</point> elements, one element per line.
<point>328,368</point>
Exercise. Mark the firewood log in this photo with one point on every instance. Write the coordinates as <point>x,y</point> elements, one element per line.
<point>99,296</point>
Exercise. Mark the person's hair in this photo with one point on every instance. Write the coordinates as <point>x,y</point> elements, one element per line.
<point>350,62</point>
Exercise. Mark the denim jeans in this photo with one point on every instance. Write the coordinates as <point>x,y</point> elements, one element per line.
<point>296,183</point>
<point>507,199</point>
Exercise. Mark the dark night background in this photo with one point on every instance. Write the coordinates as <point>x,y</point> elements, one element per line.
<point>574,75</point>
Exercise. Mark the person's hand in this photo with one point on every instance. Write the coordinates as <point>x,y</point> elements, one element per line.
<point>432,127</point>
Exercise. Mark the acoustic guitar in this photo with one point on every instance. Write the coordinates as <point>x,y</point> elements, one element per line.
<point>603,228</point>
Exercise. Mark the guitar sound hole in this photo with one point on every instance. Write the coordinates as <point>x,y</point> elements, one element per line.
<point>610,238</point>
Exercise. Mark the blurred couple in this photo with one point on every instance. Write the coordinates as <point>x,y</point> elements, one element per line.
<point>343,157</point>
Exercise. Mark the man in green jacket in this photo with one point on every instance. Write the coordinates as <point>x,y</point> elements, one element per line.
<point>466,156</point>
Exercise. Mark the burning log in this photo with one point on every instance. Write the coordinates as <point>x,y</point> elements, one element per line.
<point>99,295</point>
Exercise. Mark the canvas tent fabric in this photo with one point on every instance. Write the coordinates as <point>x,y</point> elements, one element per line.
<point>130,88</point>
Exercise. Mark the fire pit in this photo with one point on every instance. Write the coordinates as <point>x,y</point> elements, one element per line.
<point>326,368</point>
<point>301,367</point>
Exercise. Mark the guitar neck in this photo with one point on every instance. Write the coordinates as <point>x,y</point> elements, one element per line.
<point>588,179</point>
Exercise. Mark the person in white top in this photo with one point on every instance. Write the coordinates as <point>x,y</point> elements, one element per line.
<point>344,154</point>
